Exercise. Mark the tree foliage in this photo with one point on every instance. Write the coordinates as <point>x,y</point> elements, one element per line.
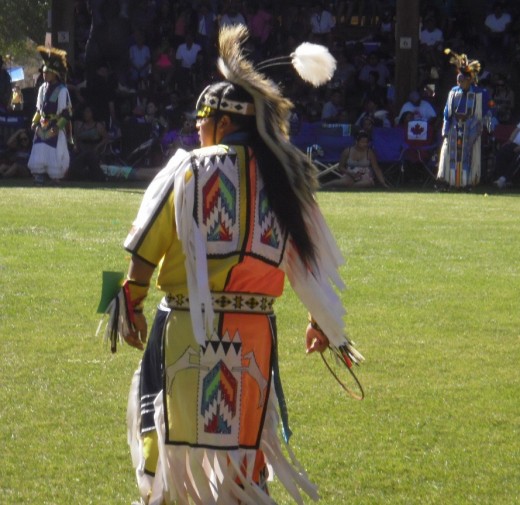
<point>21,20</point>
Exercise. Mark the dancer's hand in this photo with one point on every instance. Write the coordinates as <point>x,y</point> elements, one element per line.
<point>137,337</point>
<point>315,340</point>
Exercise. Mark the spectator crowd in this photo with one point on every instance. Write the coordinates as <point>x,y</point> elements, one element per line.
<point>145,61</point>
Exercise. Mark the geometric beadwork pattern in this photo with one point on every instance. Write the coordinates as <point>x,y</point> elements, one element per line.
<point>219,399</point>
<point>219,207</point>
<point>267,220</point>
<point>219,390</point>
<point>268,239</point>
<point>228,302</point>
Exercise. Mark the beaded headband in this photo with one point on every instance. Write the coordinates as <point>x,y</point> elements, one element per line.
<point>208,104</point>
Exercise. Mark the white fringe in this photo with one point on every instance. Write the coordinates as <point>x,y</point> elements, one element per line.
<point>201,476</point>
<point>316,287</point>
<point>194,248</point>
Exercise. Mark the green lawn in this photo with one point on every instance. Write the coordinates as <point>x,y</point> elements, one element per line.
<point>432,298</point>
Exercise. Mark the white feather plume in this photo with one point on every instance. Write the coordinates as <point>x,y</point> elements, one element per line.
<point>314,63</point>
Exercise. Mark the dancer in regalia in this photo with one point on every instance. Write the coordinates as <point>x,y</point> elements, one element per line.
<point>464,112</point>
<point>225,224</point>
<point>51,122</point>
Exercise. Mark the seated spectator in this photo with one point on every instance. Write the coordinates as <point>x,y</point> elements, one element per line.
<point>373,91</point>
<point>359,166</point>
<point>181,134</point>
<point>90,138</point>
<point>206,29</point>
<point>173,108</point>
<point>163,24</point>
<point>505,160</point>
<point>140,62</point>
<point>366,124</point>
<point>313,107</point>
<point>163,66</point>
<point>370,110</point>
<point>294,24</point>
<point>431,41</point>
<point>159,124</point>
<point>385,30</point>
<point>14,161</point>
<point>182,22</point>
<point>419,109</point>
<point>17,98</point>
<point>322,23</point>
<point>504,98</point>
<point>154,118</point>
<point>101,93</point>
<point>374,63</point>
<point>186,57</point>
<point>345,74</point>
<point>333,110</point>
<point>260,23</point>
<point>497,36</point>
<point>232,15</point>
<point>137,115</point>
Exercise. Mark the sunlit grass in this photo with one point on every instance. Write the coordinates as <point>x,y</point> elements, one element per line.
<point>432,298</point>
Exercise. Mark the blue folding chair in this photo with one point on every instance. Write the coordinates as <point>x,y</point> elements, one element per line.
<point>305,135</point>
<point>389,144</point>
<point>330,142</point>
<point>421,144</point>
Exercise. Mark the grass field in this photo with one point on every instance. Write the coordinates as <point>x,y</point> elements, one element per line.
<point>433,295</point>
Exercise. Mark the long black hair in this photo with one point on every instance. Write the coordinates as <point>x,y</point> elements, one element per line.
<point>280,193</point>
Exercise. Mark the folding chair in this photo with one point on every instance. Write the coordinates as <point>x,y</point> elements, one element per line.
<point>330,143</point>
<point>388,145</point>
<point>420,145</point>
<point>305,135</point>
<point>502,132</point>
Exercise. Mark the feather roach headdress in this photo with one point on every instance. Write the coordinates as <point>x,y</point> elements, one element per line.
<point>464,65</point>
<point>271,109</point>
<point>54,60</point>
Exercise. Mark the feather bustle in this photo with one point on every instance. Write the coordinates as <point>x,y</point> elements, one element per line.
<point>272,110</point>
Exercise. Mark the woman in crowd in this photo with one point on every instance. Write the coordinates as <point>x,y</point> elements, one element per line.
<point>17,155</point>
<point>90,138</point>
<point>359,166</point>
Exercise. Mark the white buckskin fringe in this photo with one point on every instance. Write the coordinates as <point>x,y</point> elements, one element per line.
<point>317,285</point>
<point>201,476</point>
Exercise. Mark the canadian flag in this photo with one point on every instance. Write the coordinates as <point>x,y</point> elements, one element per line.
<point>417,129</point>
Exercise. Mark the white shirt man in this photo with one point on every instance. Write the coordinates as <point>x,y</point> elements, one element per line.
<point>420,109</point>
<point>498,21</point>
<point>322,22</point>
<point>232,18</point>
<point>430,35</point>
<point>187,54</point>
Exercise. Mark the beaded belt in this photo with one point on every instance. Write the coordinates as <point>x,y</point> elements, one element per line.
<point>228,302</point>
